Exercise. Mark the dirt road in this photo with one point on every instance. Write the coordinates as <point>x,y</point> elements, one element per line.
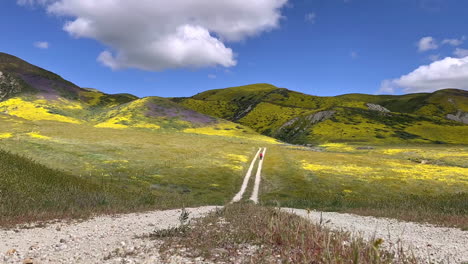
<point>245,183</point>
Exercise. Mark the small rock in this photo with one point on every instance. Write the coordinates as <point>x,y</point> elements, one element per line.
<point>11,252</point>
<point>29,261</point>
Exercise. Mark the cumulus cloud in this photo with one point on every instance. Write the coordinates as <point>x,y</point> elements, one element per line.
<point>427,43</point>
<point>41,44</point>
<point>445,73</point>
<point>460,52</point>
<point>158,34</point>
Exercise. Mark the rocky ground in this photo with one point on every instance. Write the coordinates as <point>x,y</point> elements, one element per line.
<point>104,239</point>
<point>124,238</point>
<point>429,243</point>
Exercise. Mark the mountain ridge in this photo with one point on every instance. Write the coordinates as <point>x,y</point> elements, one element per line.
<point>291,116</point>
<point>304,119</point>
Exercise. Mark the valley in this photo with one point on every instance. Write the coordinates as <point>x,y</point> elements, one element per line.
<point>74,153</point>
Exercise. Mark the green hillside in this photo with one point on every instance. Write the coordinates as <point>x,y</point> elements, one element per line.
<point>83,151</point>
<point>305,119</point>
<point>32,191</point>
<point>34,94</point>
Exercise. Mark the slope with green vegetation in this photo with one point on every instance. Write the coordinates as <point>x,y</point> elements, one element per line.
<point>123,152</point>
<point>126,153</point>
<point>35,94</point>
<point>299,118</point>
<point>30,191</point>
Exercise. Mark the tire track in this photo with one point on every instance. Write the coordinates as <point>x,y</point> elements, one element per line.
<point>239,195</point>
<point>258,177</point>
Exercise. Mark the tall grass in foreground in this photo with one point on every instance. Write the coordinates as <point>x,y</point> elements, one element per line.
<point>32,192</point>
<point>246,233</point>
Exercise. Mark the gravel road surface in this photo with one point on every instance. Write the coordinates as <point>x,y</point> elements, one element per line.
<point>429,243</point>
<point>103,239</point>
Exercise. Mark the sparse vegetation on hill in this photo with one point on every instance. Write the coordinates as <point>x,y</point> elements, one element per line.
<point>269,110</point>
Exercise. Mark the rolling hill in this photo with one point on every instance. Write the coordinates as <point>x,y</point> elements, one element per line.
<point>34,94</point>
<point>123,153</point>
<point>438,117</point>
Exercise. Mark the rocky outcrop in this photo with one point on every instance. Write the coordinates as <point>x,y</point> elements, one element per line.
<point>244,113</point>
<point>376,107</point>
<point>300,126</point>
<point>312,119</point>
<point>8,86</point>
<point>460,116</point>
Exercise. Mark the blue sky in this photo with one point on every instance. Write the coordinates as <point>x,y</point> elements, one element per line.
<point>319,47</point>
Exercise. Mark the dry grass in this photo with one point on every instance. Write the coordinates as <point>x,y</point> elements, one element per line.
<point>246,233</point>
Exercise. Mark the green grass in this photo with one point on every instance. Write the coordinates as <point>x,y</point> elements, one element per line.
<point>159,165</point>
<point>426,183</point>
<point>169,169</point>
<point>32,192</point>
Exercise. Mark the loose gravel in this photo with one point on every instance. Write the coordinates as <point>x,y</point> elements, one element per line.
<point>103,239</point>
<point>430,243</point>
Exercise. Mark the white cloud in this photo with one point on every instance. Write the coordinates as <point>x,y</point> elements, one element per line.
<point>453,42</point>
<point>460,52</point>
<point>445,73</point>
<point>427,43</point>
<point>310,17</point>
<point>41,44</point>
<point>160,34</point>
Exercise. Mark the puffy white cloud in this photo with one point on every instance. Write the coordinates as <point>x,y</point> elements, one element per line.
<point>161,34</point>
<point>188,47</point>
<point>427,43</point>
<point>460,52</point>
<point>445,73</point>
<point>41,44</point>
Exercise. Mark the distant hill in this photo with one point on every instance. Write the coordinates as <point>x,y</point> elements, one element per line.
<point>35,94</point>
<point>438,117</point>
